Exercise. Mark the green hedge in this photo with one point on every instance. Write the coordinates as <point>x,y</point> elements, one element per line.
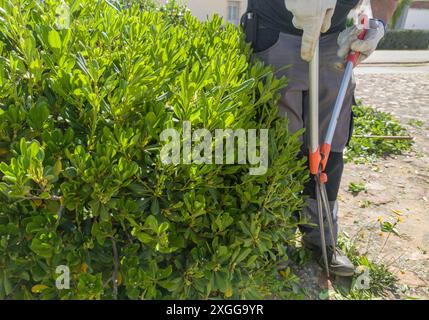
<point>405,40</point>
<point>81,112</point>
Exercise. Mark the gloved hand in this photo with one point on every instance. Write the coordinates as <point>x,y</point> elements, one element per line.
<point>313,17</point>
<point>348,40</point>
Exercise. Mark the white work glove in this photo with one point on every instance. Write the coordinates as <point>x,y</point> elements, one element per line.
<point>348,40</point>
<point>313,17</point>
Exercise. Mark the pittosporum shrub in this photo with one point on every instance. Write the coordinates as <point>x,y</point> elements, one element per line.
<point>83,187</point>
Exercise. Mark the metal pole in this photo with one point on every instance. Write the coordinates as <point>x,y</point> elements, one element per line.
<point>313,115</point>
<point>339,103</point>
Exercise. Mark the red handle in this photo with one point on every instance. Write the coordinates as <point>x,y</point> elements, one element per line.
<point>353,57</point>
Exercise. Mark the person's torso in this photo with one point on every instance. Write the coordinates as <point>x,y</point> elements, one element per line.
<point>273,14</point>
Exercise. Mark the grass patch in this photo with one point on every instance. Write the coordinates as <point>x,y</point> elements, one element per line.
<point>370,122</point>
<point>380,280</point>
<point>356,188</point>
<point>416,123</point>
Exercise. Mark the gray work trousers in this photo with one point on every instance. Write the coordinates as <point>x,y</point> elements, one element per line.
<point>294,104</point>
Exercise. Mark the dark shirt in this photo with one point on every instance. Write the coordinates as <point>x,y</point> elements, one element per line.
<point>273,14</point>
<point>273,18</point>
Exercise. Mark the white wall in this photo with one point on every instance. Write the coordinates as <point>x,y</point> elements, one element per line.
<point>206,8</point>
<point>417,19</point>
<point>203,8</point>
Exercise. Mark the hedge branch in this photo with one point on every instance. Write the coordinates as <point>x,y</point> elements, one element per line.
<point>116,268</point>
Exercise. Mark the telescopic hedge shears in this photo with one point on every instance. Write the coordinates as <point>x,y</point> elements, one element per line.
<point>319,156</point>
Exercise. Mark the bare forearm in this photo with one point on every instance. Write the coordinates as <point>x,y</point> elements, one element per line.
<point>384,9</point>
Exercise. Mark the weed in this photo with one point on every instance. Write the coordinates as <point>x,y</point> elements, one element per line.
<point>381,279</point>
<point>416,123</point>
<point>365,204</point>
<point>356,188</point>
<point>370,122</point>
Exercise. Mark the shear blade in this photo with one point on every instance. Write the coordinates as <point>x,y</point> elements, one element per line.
<point>322,229</point>
<point>329,218</point>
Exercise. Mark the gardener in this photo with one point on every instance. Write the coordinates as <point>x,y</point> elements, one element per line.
<point>284,34</point>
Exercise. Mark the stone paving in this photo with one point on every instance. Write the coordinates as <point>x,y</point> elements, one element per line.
<point>398,57</point>
<point>406,95</point>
